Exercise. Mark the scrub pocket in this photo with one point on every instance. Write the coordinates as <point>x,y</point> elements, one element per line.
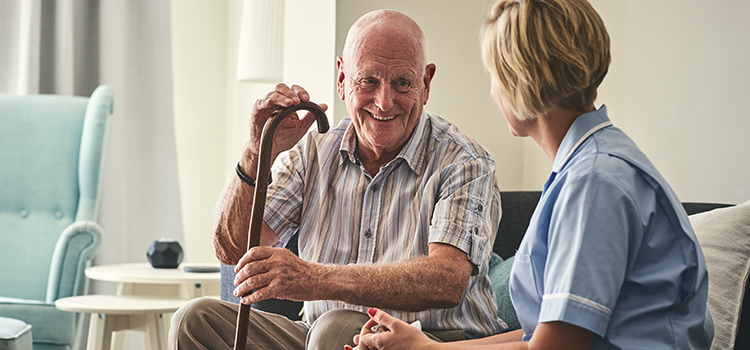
<point>526,291</point>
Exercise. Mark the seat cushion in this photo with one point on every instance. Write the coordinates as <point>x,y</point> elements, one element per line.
<point>499,275</point>
<point>14,334</point>
<point>50,325</point>
<point>724,235</point>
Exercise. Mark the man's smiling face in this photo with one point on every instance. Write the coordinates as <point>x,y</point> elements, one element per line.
<point>385,85</point>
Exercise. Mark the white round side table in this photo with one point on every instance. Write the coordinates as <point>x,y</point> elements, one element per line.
<point>135,306</point>
<point>111,313</point>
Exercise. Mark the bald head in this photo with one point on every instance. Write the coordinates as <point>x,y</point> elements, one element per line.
<point>384,25</point>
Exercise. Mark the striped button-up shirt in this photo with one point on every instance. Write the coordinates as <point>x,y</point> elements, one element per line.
<point>440,188</point>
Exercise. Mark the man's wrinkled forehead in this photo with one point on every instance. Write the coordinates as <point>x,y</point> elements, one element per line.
<point>384,25</point>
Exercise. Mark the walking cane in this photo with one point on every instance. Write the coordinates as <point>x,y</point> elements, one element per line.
<point>261,185</point>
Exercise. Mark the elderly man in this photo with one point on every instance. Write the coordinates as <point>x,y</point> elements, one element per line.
<point>395,209</point>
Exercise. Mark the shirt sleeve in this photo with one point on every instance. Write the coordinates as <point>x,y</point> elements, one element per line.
<point>285,194</point>
<point>468,209</point>
<point>592,225</point>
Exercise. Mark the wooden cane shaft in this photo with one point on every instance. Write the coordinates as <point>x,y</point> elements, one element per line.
<point>259,198</point>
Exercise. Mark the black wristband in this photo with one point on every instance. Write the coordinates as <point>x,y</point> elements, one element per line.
<point>247,179</point>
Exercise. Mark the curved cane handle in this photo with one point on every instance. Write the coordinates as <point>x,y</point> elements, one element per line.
<point>264,162</point>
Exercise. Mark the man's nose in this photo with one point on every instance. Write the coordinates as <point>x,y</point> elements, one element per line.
<point>384,97</point>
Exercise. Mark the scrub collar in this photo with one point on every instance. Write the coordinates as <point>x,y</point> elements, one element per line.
<point>583,127</point>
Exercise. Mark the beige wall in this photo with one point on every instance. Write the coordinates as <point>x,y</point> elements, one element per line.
<point>199,55</point>
<point>678,85</point>
<point>309,48</point>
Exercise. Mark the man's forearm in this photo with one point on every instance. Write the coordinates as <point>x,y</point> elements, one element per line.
<point>429,282</point>
<point>233,215</point>
<point>232,221</point>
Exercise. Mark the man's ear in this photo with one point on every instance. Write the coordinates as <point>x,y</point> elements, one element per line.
<point>340,79</point>
<point>429,73</point>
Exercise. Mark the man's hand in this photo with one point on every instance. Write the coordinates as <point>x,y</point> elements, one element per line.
<point>274,273</point>
<point>289,131</point>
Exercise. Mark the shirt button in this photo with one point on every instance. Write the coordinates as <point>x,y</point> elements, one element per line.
<point>480,208</point>
<point>23,213</point>
<point>59,214</point>
<point>368,233</point>
<point>375,188</point>
<point>476,230</point>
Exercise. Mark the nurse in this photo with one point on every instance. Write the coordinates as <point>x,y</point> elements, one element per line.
<point>609,260</point>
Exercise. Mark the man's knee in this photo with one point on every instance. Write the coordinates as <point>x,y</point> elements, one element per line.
<point>194,321</point>
<point>186,315</point>
<point>335,328</point>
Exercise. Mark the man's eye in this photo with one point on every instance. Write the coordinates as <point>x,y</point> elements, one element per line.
<point>367,84</point>
<point>402,85</point>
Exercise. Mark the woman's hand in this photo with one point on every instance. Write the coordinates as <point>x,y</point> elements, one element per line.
<point>392,334</point>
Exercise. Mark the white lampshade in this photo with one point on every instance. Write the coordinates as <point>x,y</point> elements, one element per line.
<point>261,49</point>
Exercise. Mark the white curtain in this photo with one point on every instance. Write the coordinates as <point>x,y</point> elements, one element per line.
<point>19,40</point>
<point>71,46</point>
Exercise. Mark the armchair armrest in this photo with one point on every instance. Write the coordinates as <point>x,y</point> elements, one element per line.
<point>75,248</point>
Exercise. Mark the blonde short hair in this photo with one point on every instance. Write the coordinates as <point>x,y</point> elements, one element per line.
<point>545,53</point>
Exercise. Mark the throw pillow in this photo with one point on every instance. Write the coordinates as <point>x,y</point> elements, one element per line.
<point>499,274</point>
<point>724,236</point>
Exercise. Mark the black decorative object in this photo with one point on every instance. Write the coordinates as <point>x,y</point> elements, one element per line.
<point>164,254</point>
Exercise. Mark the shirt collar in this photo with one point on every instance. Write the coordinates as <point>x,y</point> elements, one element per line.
<point>348,148</point>
<point>583,127</point>
<point>412,153</point>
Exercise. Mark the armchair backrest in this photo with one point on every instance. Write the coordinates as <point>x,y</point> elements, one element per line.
<point>50,169</point>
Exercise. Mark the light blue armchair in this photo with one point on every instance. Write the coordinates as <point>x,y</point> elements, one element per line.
<point>50,170</point>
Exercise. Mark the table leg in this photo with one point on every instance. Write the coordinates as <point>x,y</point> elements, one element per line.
<point>166,321</point>
<point>105,331</point>
<point>100,332</point>
<point>118,340</point>
<point>195,290</point>
<point>124,288</point>
<point>157,332</point>
<point>154,333</point>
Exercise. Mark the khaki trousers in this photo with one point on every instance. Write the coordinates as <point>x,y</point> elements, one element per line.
<point>208,323</point>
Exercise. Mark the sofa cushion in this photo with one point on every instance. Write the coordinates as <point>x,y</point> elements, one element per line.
<point>499,274</point>
<point>14,334</point>
<point>518,207</point>
<point>50,325</point>
<point>724,235</point>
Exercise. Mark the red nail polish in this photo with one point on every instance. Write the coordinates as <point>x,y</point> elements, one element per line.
<point>372,312</point>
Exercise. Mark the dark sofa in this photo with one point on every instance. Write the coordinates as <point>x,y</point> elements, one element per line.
<point>517,207</point>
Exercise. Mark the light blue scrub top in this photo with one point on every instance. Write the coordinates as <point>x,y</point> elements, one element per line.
<point>610,249</point>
